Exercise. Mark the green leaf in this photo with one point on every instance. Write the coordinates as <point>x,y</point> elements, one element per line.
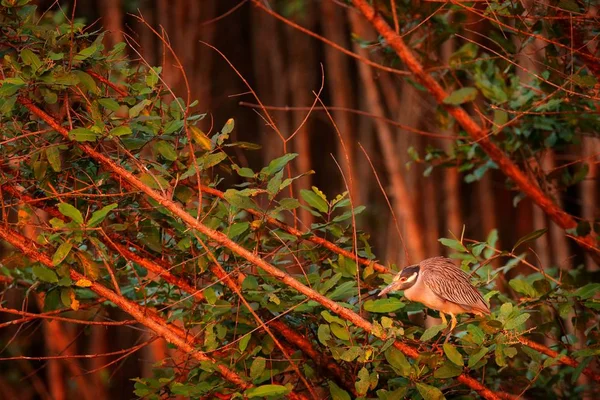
<point>289,204</point>
<point>448,370</point>
<point>521,286</point>
<point>109,104</point>
<point>137,109</point>
<point>398,360</point>
<point>363,382</point>
<point>244,172</point>
<point>152,76</point>
<point>210,160</point>
<point>266,391</point>
<point>351,353</point>
<point>99,215</point>
<point>474,358</point>
<point>337,393</point>
<point>277,164</point>
<point>29,58</point>
<point>120,131</point>
<point>510,352</point>
<point>44,274</point>
<point>86,53</point>
<point>453,354</point>
<point>332,318</point>
<point>529,237</point>
<point>273,185</point>
<point>237,229</point>
<point>257,367</point>
<point>588,290</point>
<point>166,150</point>
<point>476,333</point>
<point>61,253</point>
<point>340,331</point>
<point>60,78</point>
<point>154,181</point>
<point>83,135</point>
<point>69,211</point>
<point>65,296</point>
<point>243,343</point>
<point>7,105</point>
<point>324,334</point>
<point>499,355</point>
<point>432,331</point>
<point>52,300</point>
<point>506,309</point>
<point>228,127</point>
<point>314,200</point>
<point>491,240</point>
<point>53,156</point>
<point>516,321</point>
<point>238,200</point>
<point>50,97</point>
<point>569,5</point>
<point>453,244</point>
<point>429,392</point>
<point>343,291</point>
<point>87,81</point>
<point>400,393</point>
<point>383,305</point>
<point>173,126</point>
<point>10,86</point>
<point>461,96</point>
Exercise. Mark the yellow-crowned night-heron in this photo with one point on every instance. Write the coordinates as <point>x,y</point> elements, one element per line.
<point>440,285</point>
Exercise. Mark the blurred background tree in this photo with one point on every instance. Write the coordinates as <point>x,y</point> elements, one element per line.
<point>525,72</point>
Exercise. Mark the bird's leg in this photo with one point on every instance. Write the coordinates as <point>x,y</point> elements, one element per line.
<point>452,326</point>
<point>443,317</point>
<point>454,322</point>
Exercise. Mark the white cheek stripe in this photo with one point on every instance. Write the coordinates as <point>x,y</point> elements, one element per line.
<point>412,277</point>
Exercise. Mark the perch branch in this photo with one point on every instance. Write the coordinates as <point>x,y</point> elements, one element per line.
<point>224,241</point>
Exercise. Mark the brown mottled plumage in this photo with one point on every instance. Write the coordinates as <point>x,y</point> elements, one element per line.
<point>440,285</point>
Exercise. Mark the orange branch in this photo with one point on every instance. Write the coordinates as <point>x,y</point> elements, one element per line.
<point>564,359</point>
<point>505,164</point>
<point>224,241</point>
<point>161,271</point>
<point>108,83</point>
<point>143,316</point>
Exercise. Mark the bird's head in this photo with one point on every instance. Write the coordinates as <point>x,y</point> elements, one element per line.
<point>403,280</point>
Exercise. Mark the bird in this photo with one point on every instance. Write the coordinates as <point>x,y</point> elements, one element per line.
<point>440,285</point>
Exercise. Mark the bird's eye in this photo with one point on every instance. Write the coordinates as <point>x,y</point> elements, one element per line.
<point>402,279</point>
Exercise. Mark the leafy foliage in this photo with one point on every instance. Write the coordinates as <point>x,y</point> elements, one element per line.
<point>56,64</point>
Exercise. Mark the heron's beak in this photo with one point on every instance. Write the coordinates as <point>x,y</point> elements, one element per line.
<point>390,287</point>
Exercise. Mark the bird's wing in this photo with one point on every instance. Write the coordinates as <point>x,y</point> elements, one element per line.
<point>450,283</point>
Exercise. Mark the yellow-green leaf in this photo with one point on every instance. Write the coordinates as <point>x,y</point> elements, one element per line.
<point>69,211</point>
<point>337,393</point>
<point>429,392</point>
<point>266,391</point>
<point>453,354</point>
<point>53,156</point>
<point>461,96</point>
<point>44,274</point>
<point>383,305</point>
<point>257,367</point>
<point>83,135</point>
<point>166,150</point>
<point>61,253</point>
<point>99,215</point>
<point>120,131</point>
<point>339,331</point>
